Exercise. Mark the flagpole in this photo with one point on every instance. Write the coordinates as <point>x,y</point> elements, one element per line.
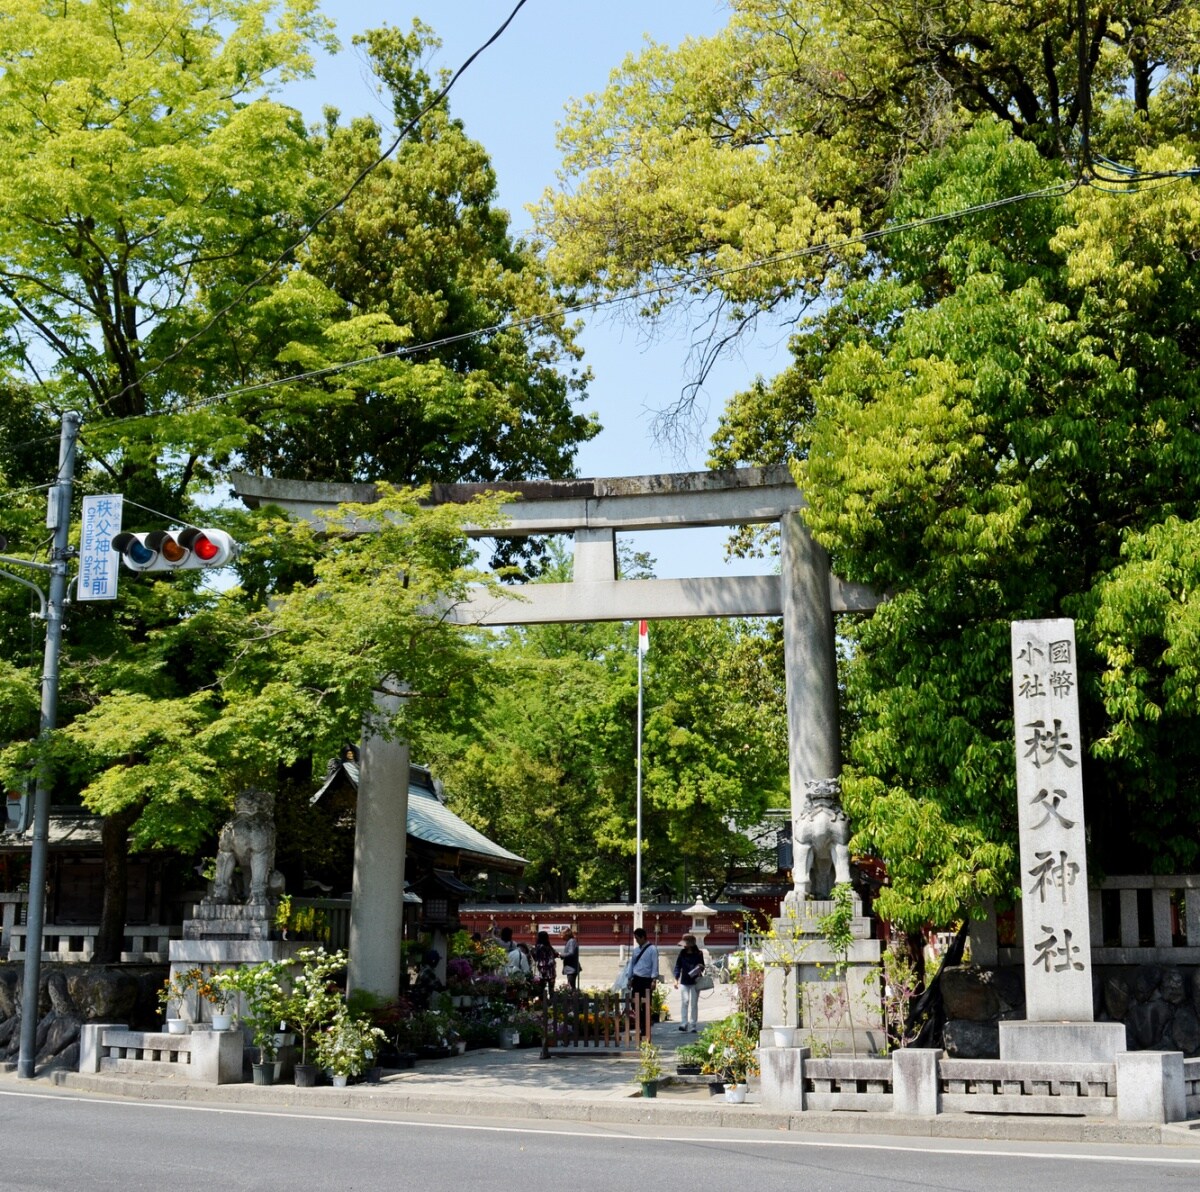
<point>643,640</point>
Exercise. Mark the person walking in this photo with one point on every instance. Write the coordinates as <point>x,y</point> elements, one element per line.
<point>643,973</point>
<point>570,959</point>
<point>689,965</point>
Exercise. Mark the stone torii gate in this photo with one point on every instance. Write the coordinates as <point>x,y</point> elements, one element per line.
<point>805,595</point>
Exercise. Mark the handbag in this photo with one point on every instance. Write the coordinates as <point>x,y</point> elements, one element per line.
<point>703,982</point>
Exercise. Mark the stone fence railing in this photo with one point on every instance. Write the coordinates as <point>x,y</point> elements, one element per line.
<point>1134,920</point>
<point>1140,1086</point>
<point>76,943</point>
<point>206,1057</point>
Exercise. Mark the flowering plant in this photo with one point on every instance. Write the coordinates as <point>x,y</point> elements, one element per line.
<point>731,1050</point>
<point>266,1003</point>
<point>459,974</point>
<point>178,985</point>
<point>209,986</point>
<point>348,1045</point>
<point>426,1028</point>
<point>314,998</point>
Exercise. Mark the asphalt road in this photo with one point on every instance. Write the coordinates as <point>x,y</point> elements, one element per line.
<point>58,1141</point>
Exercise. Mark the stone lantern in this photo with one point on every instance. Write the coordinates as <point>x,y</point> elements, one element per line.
<point>700,915</point>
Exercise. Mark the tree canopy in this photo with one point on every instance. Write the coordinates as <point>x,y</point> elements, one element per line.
<point>979,227</point>
<point>549,764</point>
<point>188,265</point>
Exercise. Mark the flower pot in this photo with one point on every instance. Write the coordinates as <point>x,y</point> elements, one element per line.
<point>716,1088</point>
<point>306,1075</point>
<point>687,1069</point>
<point>785,1036</point>
<point>373,1075</point>
<point>508,1036</point>
<point>221,1021</point>
<point>649,1088</point>
<point>403,1060</point>
<point>338,1080</point>
<point>262,1073</point>
<point>735,1094</point>
<point>177,1026</point>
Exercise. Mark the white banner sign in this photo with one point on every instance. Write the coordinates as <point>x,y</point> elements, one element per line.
<point>99,564</point>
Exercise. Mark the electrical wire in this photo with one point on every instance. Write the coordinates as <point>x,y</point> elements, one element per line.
<point>333,207</point>
<point>698,277</point>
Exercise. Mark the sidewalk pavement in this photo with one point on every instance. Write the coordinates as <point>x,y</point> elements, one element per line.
<point>600,1088</point>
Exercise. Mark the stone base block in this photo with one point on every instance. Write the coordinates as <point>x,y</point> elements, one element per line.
<point>781,1085</point>
<point>216,1057</point>
<point>1150,1087</point>
<point>1062,1042</point>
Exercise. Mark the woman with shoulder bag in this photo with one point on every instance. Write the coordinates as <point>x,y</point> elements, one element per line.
<point>689,967</point>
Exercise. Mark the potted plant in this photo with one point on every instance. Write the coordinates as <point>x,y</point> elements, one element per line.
<point>347,1047</point>
<point>313,1001</point>
<point>265,1004</point>
<point>731,1054</point>
<point>174,993</point>
<point>649,1070</point>
<point>214,989</point>
<point>689,1059</point>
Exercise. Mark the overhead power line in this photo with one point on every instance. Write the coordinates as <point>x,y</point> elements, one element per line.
<point>333,207</point>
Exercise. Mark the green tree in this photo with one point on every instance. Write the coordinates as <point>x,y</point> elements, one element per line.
<point>144,160</point>
<point>735,166</point>
<point>419,254</point>
<point>548,769</point>
<point>989,404</point>
<point>148,262</point>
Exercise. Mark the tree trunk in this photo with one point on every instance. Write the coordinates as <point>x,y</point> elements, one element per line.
<point>115,842</point>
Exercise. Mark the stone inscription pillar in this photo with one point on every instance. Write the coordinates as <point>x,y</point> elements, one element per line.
<point>1054,887</point>
<point>377,905</point>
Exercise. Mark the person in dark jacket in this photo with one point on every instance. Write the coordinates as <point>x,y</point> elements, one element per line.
<point>689,965</point>
<point>570,959</point>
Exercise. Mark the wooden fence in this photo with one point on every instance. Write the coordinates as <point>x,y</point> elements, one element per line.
<point>604,1021</point>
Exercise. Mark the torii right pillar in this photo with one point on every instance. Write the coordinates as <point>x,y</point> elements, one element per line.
<point>820,828</point>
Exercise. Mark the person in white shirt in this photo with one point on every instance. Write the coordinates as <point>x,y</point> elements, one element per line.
<point>643,972</point>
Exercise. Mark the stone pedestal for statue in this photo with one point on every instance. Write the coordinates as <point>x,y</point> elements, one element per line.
<point>801,988</point>
<point>225,935</point>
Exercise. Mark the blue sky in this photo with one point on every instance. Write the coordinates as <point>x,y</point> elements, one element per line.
<point>510,100</point>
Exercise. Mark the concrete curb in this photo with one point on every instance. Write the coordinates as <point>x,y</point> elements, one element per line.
<point>631,1110</point>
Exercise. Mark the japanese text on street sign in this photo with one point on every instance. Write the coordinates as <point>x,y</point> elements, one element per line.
<point>98,562</point>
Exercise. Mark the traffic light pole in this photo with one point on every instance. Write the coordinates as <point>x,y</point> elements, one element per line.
<point>58,519</point>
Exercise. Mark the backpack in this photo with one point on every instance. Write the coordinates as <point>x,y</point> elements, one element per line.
<point>543,957</point>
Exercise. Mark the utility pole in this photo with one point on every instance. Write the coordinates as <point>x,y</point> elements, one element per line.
<point>58,519</point>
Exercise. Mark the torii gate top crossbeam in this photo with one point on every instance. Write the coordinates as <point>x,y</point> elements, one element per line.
<point>593,511</point>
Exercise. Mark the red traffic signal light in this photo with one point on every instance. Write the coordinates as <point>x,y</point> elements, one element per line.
<point>175,550</point>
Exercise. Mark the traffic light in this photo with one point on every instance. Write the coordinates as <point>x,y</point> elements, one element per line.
<point>175,550</point>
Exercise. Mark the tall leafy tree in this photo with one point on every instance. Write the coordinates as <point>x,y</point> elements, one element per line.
<point>154,253</point>
<point>989,404</point>
<point>549,766</point>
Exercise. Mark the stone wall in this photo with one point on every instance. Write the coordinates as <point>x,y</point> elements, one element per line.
<point>1159,1005</point>
<point>70,995</point>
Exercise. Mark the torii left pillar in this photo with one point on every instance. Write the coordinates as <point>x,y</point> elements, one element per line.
<point>377,904</point>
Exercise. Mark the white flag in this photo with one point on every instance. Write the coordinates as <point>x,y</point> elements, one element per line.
<point>643,638</point>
